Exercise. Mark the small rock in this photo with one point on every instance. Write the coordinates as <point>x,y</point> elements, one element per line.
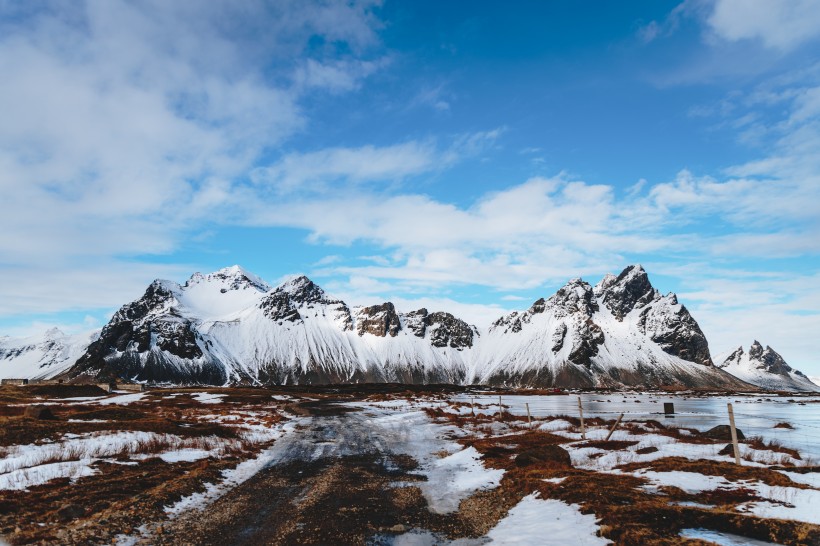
<point>39,412</point>
<point>68,512</point>
<point>723,433</point>
<point>398,528</point>
<point>550,454</point>
<point>728,450</point>
<point>646,450</point>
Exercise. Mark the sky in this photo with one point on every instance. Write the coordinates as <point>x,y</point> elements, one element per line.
<point>469,157</point>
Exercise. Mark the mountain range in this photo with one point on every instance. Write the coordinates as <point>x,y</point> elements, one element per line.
<point>231,327</point>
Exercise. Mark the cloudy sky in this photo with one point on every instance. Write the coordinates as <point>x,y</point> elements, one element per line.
<point>471,159</point>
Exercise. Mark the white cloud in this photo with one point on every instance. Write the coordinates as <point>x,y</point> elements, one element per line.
<point>778,309</point>
<point>124,123</point>
<point>314,170</point>
<point>782,25</point>
<point>340,167</point>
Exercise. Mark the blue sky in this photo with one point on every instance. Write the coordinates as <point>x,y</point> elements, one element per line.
<point>470,157</point>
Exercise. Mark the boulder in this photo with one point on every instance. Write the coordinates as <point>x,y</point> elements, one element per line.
<point>723,433</point>
<point>548,454</point>
<point>68,512</point>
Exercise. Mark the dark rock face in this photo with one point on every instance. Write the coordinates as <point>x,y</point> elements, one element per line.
<point>770,360</point>
<point>558,336</point>
<point>304,290</point>
<point>416,322</point>
<point>283,304</point>
<point>677,333</point>
<point>585,345</point>
<point>278,307</point>
<point>156,296</point>
<point>116,353</point>
<point>630,290</point>
<point>445,330</point>
<point>379,320</point>
<point>448,331</point>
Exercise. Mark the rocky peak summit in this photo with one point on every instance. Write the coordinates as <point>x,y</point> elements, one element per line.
<point>629,290</point>
<point>766,359</point>
<point>303,290</point>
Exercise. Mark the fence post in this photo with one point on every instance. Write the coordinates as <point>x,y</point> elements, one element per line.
<point>472,405</point>
<point>500,414</point>
<point>581,413</point>
<point>608,436</point>
<point>734,433</point>
<point>529,419</point>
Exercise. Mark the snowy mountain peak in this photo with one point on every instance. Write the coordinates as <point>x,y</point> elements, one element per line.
<point>232,278</point>
<point>303,290</point>
<point>54,333</point>
<point>765,367</point>
<point>575,296</point>
<point>756,350</point>
<point>608,280</point>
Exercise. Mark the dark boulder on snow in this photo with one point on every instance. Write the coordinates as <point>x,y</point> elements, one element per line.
<point>723,433</point>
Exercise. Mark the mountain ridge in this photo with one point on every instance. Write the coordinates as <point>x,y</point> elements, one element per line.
<point>231,327</point>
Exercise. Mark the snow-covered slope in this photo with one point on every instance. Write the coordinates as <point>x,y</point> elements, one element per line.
<point>621,332</point>
<point>767,369</point>
<point>44,356</point>
<point>230,327</point>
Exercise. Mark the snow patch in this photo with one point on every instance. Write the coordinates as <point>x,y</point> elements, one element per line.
<point>547,522</point>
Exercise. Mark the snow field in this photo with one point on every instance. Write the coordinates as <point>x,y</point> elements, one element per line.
<point>547,522</point>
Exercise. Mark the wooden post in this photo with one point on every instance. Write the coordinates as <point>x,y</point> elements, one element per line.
<point>608,436</point>
<point>529,419</point>
<point>500,415</point>
<point>472,405</point>
<point>734,433</point>
<point>581,412</point>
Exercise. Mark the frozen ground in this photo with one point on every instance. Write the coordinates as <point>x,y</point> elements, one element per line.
<point>431,469</point>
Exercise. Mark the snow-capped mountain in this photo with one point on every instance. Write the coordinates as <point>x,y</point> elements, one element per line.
<point>43,356</point>
<point>620,332</point>
<point>766,368</point>
<point>231,327</point>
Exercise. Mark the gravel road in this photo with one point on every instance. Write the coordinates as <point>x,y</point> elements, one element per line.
<point>334,480</point>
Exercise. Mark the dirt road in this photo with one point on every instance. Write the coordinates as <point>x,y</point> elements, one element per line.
<point>333,481</point>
